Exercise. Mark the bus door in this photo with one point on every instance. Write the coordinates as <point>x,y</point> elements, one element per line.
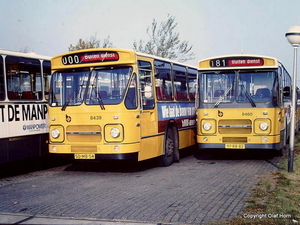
<point>149,124</point>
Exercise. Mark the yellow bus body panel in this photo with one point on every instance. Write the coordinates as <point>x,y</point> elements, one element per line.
<point>89,127</point>
<point>240,125</point>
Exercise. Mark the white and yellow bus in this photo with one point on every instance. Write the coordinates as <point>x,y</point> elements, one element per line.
<point>24,90</point>
<point>244,103</point>
<point>120,104</point>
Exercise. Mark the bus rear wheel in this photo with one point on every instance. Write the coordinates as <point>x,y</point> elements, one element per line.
<point>169,147</point>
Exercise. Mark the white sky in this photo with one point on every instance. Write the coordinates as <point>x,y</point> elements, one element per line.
<point>212,27</point>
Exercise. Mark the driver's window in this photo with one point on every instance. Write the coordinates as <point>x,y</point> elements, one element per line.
<point>145,75</point>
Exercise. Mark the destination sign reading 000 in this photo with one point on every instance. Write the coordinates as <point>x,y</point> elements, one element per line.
<point>236,62</point>
<point>89,57</point>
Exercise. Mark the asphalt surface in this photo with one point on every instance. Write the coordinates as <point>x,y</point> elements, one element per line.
<point>197,190</point>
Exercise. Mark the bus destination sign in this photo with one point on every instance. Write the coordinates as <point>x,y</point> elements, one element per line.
<point>89,57</point>
<point>236,62</point>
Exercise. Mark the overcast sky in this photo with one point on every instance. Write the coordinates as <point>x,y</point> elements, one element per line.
<point>212,27</point>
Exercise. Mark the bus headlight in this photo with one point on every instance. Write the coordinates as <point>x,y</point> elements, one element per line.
<point>55,133</point>
<point>207,126</point>
<point>263,126</point>
<point>115,132</point>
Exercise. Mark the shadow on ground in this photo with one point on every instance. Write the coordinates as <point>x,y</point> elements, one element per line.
<point>121,166</point>
<point>30,165</point>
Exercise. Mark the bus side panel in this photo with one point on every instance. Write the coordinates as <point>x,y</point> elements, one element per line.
<point>185,142</point>
<point>27,147</point>
<point>151,143</point>
<point>18,148</point>
<point>4,150</point>
<point>151,147</point>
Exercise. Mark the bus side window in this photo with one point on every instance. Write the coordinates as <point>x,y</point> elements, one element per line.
<point>145,75</point>
<point>23,78</point>
<point>2,89</point>
<point>47,78</point>
<point>192,83</point>
<point>180,82</point>
<point>163,80</point>
<point>130,100</point>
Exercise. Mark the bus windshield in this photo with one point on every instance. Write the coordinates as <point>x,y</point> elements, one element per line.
<point>104,85</point>
<point>240,86</point>
<point>255,86</point>
<point>108,85</point>
<point>68,87</point>
<point>216,88</point>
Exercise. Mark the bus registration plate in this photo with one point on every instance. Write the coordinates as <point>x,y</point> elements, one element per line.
<point>84,156</point>
<point>236,146</point>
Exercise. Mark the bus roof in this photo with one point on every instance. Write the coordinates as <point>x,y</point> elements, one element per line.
<point>26,55</point>
<point>130,51</point>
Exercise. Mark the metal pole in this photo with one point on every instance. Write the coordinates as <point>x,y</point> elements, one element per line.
<point>293,113</point>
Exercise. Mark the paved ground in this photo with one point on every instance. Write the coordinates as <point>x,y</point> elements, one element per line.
<point>197,190</point>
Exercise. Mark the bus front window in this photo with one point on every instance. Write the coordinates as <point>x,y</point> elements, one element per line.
<point>108,85</point>
<point>255,86</point>
<point>217,88</point>
<point>68,87</point>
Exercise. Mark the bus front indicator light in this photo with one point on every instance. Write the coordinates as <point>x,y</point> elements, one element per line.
<point>207,126</point>
<point>263,126</point>
<point>115,132</point>
<point>55,133</point>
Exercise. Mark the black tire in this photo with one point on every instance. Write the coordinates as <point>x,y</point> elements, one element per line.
<point>279,152</point>
<point>167,158</point>
<point>176,145</point>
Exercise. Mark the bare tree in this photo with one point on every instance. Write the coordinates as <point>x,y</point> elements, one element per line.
<point>92,43</point>
<point>164,42</point>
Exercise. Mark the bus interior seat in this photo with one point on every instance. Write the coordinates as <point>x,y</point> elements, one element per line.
<point>162,95</point>
<point>218,93</point>
<point>115,94</point>
<point>263,93</point>
<point>181,96</point>
<point>103,94</point>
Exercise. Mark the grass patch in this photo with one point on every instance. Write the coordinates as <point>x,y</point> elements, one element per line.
<point>276,199</point>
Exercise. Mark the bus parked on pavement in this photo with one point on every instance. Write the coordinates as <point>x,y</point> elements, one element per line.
<point>23,105</point>
<point>244,103</point>
<point>120,104</point>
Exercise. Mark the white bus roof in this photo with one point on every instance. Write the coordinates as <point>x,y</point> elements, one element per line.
<point>22,54</point>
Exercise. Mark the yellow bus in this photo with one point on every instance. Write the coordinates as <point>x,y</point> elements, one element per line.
<point>244,103</point>
<point>120,104</point>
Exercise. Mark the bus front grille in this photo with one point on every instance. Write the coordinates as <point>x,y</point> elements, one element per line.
<point>83,149</point>
<point>234,139</point>
<point>83,133</point>
<point>235,126</point>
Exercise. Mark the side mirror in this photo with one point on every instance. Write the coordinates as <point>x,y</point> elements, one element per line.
<point>286,91</point>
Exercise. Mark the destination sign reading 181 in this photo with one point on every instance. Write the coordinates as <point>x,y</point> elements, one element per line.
<point>236,62</point>
<point>89,57</point>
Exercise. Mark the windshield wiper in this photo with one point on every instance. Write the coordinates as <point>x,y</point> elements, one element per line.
<point>99,98</point>
<point>248,96</point>
<point>78,93</point>
<point>63,108</point>
<point>222,97</point>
